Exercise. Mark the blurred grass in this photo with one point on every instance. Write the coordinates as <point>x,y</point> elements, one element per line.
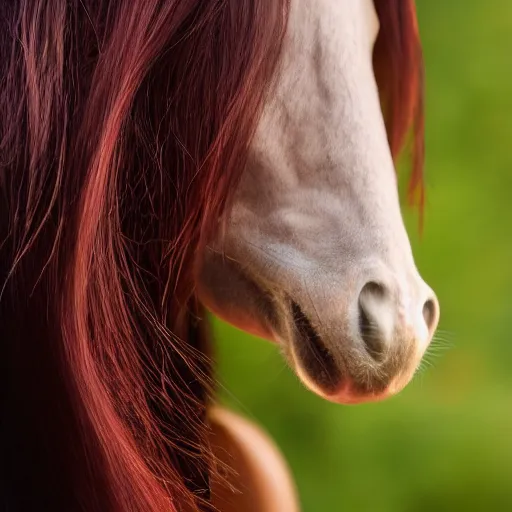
<point>445,443</point>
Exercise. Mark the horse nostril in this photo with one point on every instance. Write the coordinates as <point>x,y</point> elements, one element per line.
<point>375,319</point>
<point>369,335</point>
<point>430,313</point>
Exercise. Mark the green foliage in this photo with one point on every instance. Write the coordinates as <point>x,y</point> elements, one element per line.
<point>445,443</point>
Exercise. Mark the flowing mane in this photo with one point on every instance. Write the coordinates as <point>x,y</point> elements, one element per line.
<point>124,129</point>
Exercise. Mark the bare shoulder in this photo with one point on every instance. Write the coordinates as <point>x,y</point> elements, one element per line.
<point>259,479</point>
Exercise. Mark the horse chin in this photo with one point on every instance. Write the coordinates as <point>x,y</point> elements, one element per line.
<point>347,393</point>
<point>349,390</point>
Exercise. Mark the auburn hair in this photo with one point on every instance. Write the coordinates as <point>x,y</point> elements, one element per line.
<point>124,128</point>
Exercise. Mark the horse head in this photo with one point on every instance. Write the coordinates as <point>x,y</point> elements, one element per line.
<point>314,254</point>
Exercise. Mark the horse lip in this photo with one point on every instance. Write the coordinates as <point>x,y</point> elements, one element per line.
<point>346,396</point>
<point>311,353</point>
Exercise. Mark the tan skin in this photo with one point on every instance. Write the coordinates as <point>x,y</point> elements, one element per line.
<point>258,478</point>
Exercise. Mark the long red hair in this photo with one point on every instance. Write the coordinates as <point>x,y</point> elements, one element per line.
<point>124,127</point>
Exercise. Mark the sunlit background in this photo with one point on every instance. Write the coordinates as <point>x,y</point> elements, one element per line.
<point>445,443</point>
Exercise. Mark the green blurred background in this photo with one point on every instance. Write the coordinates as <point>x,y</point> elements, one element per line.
<point>445,443</point>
